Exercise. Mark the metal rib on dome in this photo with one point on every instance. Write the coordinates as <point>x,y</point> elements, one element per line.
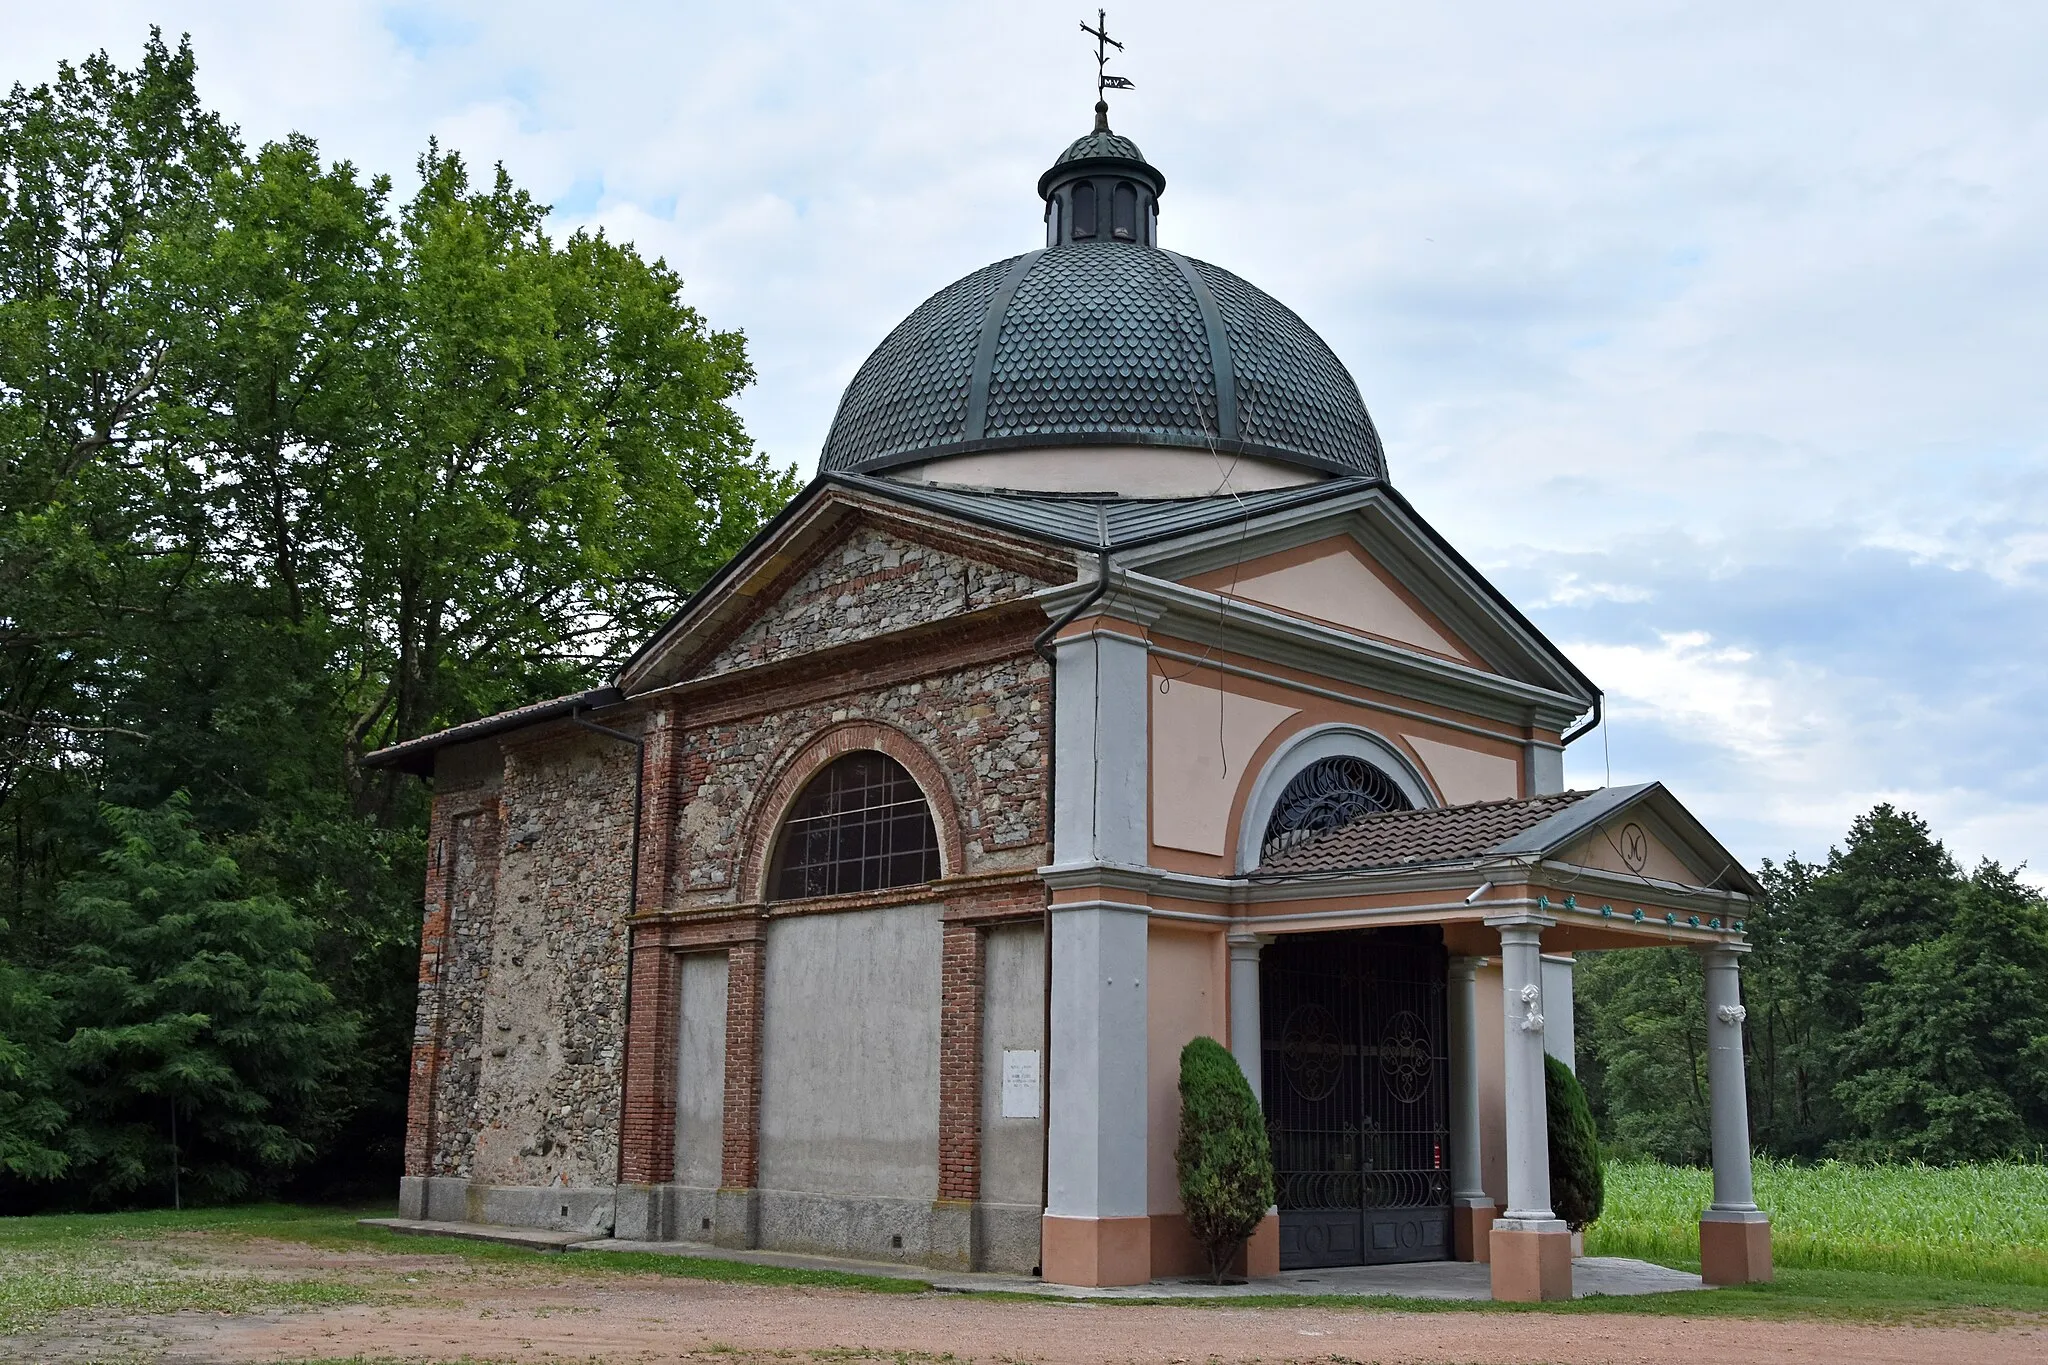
<point>1103,344</point>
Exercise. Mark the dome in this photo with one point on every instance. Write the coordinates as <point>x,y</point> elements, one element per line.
<point>1103,339</point>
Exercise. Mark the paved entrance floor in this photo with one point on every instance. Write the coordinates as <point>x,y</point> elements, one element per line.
<point>1426,1280</point>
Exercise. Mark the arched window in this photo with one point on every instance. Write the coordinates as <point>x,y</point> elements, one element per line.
<point>1327,793</point>
<point>861,825</point>
<point>1052,221</point>
<point>1084,208</point>
<point>1125,220</point>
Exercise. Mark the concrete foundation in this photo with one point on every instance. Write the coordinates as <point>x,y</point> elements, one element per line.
<point>1472,1229</point>
<point>1735,1248</point>
<point>1097,1251</point>
<point>1530,1266</point>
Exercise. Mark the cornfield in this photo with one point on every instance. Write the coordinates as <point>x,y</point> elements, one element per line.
<point>1981,1222</point>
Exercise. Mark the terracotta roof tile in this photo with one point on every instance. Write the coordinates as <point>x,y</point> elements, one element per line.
<point>1399,838</point>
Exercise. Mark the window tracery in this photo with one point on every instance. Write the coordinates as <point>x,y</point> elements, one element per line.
<point>861,824</point>
<point>1328,793</point>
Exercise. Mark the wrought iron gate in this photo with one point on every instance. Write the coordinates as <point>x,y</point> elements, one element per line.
<point>1357,1082</point>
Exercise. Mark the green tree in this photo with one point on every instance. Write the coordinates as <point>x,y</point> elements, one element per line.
<point>288,472</point>
<point>1578,1184</point>
<point>1643,1050</point>
<point>1224,1157</point>
<point>1950,1060</point>
<point>183,998</point>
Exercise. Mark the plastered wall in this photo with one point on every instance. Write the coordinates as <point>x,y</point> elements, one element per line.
<point>850,1054</point>
<point>1012,1150</point>
<point>700,1071</point>
<point>1185,998</point>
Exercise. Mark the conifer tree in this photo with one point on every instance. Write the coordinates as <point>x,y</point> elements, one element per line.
<point>1224,1157</point>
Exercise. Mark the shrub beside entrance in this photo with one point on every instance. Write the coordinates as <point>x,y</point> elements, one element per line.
<point>1224,1157</point>
<point>1577,1187</point>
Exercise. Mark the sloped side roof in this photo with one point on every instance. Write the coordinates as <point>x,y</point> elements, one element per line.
<point>1401,838</point>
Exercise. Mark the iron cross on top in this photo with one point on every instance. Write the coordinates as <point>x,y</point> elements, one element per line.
<point>1103,43</point>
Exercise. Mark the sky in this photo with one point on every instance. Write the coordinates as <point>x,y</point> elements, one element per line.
<point>1716,334</point>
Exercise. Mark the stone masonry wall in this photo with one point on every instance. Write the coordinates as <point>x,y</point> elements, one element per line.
<point>868,584</point>
<point>546,1108</point>
<point>986,725</point>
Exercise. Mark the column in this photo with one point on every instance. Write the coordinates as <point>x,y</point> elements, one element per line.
<point>1531,1248</point>
<point>1262,1252</point>
<point>1472,1208</point>
<point>1735,1236</point>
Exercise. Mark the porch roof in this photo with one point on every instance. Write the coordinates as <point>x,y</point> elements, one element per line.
<point>1532,827</point>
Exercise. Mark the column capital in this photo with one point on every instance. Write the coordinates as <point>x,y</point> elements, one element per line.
<point>1465,967</point>
<point>1246,944</point>
<point>1522,929</point>
<point>1730,953</point>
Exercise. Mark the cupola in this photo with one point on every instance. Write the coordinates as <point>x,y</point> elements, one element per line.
<point>1101,189</point>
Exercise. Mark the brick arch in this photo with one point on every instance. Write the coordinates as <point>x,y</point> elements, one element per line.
<point>806,758</point>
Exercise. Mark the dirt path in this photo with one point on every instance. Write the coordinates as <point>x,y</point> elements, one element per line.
<point>444,1309</point>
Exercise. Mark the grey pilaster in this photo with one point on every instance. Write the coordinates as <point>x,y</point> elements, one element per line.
<point>1467,1188</point>
<point>1096,1138</point>
<point>1245,1042</point>
<point>1099,738</point>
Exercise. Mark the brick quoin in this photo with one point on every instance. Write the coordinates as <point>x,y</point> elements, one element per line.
<point>647,1131</point>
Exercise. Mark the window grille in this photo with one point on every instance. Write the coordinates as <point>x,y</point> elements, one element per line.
<point>1326,794</point>
<point>861,825</point>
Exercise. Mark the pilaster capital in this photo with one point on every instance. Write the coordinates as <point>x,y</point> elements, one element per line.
<point>1246,945</point>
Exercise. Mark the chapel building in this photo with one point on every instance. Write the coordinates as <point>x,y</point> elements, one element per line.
<point>1100,692</point>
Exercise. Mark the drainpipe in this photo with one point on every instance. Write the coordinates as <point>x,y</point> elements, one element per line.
<point>639,744</point>
<point>1043,647</point>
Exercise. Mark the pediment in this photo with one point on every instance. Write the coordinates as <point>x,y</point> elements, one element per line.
<point>845,573</point>
<point>1335,581</point>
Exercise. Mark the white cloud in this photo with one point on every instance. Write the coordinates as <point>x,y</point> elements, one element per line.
<point>1610,275</point>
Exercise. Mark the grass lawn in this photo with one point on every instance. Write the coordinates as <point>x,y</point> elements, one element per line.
<point>1883,1244</point>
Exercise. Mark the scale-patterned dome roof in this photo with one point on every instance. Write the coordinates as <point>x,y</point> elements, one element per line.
<point>1102,338</point>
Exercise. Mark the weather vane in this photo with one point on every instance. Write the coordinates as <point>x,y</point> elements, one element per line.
<point>1104,82</point>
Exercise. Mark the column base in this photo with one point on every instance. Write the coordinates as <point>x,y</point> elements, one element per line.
<point>1096,1251</point>
<point>1262,1252</point>
<point>1735,1247</point>
<point>1472,1229</point>
<point>1531,1260</point>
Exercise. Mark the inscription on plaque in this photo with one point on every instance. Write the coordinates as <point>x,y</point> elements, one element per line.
<point>1020,1084</point>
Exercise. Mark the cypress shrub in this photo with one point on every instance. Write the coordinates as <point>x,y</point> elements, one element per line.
<point>1224,1157</point>
<point>1577,1188</point>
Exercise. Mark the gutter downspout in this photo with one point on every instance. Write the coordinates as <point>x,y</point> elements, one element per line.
<point>639,743</point>
<point>1042,646</point>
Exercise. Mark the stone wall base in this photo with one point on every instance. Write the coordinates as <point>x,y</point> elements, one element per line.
<point>949,1235</point>
<point>1735,1248</point>
<point>1530,1264</point>
<point>452,1199</point>
<point>1097,1251</point>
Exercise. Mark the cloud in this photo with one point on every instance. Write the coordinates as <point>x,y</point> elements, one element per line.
<point>1714,330</point>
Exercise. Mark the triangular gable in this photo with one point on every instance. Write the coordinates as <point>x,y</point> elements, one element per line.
<point>1638,831</point>
<point>1334,581</point>
<point>842,570</point>
<point>1418,567</point>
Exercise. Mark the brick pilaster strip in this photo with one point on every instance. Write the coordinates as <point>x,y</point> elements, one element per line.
<point>658,812</point>
<point>960,995</point>
<point>426,1031</point>
<point>647,1128</point>
<point>743,980</point>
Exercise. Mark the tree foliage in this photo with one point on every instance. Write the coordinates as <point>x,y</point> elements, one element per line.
<point>1578,1188</point>
<point>1224,1157</point>
<point>292,468</point>
<point>1898,1010</point>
